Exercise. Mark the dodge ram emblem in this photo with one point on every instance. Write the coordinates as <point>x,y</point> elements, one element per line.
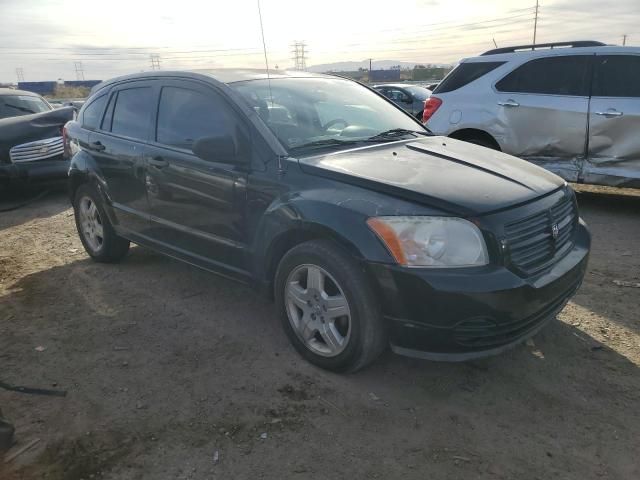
<point>555,231</point>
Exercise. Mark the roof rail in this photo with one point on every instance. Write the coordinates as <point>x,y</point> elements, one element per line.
<point>577,44</point>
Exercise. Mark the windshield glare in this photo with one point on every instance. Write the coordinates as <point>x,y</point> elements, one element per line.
<point>301,111</point>
<point>14,105</point>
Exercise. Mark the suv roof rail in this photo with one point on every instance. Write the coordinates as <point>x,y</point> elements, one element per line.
<point>577,44</point>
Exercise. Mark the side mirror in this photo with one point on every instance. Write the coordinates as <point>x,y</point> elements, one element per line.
<point>220,149</point>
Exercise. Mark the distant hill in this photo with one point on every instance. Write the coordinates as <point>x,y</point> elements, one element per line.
<point>352,66</point>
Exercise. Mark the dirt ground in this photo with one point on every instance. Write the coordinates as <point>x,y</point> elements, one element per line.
<point>174,373</point>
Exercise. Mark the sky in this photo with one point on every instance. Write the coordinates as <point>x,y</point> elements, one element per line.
<point>46,37</point>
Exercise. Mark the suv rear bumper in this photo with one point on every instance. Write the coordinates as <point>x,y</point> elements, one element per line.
<point>461,314</point>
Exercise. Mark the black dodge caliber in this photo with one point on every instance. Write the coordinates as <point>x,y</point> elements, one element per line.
<point>366,229</point>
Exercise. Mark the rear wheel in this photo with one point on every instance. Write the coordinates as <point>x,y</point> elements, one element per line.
<point>96,232</point>
<point>327,307</point>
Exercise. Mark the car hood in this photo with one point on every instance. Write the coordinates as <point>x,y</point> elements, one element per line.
<point>455,176</point>
<point>28,128</point>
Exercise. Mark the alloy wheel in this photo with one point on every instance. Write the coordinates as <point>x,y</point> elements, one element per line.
<point>91,224</point>
<point>318,310</point>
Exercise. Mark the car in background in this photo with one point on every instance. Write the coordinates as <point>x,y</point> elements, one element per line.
<point>571,107</point>
<point>408,97</point>
<point>31,144</point>
<point>365,228</point>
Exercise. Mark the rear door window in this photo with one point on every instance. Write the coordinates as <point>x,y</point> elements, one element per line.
<point>562,75</point>
<point>464,74</point>
<point>184,115</point>
<point>617,76</point>
<point>132,112</point>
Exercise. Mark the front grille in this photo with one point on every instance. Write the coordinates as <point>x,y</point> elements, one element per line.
<point>38,150</point>
<point>486,333</point>
<point>540,239</point>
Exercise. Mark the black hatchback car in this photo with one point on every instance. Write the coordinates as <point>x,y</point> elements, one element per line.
<point>365,228</point>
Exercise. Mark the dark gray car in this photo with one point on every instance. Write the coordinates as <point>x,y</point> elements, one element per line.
<point>408,97</point>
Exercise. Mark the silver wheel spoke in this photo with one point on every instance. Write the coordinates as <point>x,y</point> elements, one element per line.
<point>99,232</point>
<point>92,211</point>
<point>331,336</point>
<point>337,306</point>
<point>298,295</point>
<point>315,279</point>
<point>307,327</point>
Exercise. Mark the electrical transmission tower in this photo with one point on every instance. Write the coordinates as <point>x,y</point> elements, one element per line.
<point>20,74</point>
<point>155,61</point>
<point>79,70</point>
<point>299,56</point>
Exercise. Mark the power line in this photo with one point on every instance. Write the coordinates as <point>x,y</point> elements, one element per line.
<point>20,74</point>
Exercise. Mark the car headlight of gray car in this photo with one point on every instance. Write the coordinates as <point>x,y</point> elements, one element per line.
<point>424,241</point>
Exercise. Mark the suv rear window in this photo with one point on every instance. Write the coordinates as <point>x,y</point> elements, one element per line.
<point>564,75</point>
<point>464,74</point>
<point>617,76</point>
<point>132,113</point>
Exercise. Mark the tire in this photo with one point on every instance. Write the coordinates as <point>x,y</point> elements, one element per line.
<point>94,228</point>
<point>361,329</point>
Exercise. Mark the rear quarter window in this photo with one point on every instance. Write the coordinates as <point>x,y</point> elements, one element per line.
<point>93,113</point>
<point>464,74</point>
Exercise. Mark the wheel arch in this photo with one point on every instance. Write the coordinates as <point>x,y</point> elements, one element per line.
<point>465,134</point>
<point>345,228</point>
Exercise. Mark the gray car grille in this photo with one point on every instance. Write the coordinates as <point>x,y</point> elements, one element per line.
<point>38,150</point>
<point>541,239</point>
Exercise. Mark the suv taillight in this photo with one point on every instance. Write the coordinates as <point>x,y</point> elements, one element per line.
<point>430,106</point>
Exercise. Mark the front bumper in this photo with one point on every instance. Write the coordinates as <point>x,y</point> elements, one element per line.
<point>39,171</point>
<point>461,314</point>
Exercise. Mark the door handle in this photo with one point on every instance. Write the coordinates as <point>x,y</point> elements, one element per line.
<point>610,113</point>
<point>509,103</point>
<point>158,162</point>
<point>97,146</point>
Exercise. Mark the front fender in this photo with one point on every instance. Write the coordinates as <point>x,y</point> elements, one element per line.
<point>293,220</point>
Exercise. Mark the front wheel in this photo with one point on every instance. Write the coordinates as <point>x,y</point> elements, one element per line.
<point>96,232</point>
<point>327,307</point>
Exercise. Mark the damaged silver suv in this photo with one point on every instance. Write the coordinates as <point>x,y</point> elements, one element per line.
<point>573,108</point>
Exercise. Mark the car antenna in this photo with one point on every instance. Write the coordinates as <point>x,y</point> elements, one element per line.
<point>266,63</point>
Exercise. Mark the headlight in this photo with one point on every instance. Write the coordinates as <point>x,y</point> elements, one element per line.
<point>431,241</point>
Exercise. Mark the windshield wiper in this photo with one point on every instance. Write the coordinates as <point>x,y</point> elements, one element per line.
<point>326,142</point>
<point>395,133</point>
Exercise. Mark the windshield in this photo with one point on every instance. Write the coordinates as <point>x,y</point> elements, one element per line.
<point>14,105</point>
<point>324,112</point>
